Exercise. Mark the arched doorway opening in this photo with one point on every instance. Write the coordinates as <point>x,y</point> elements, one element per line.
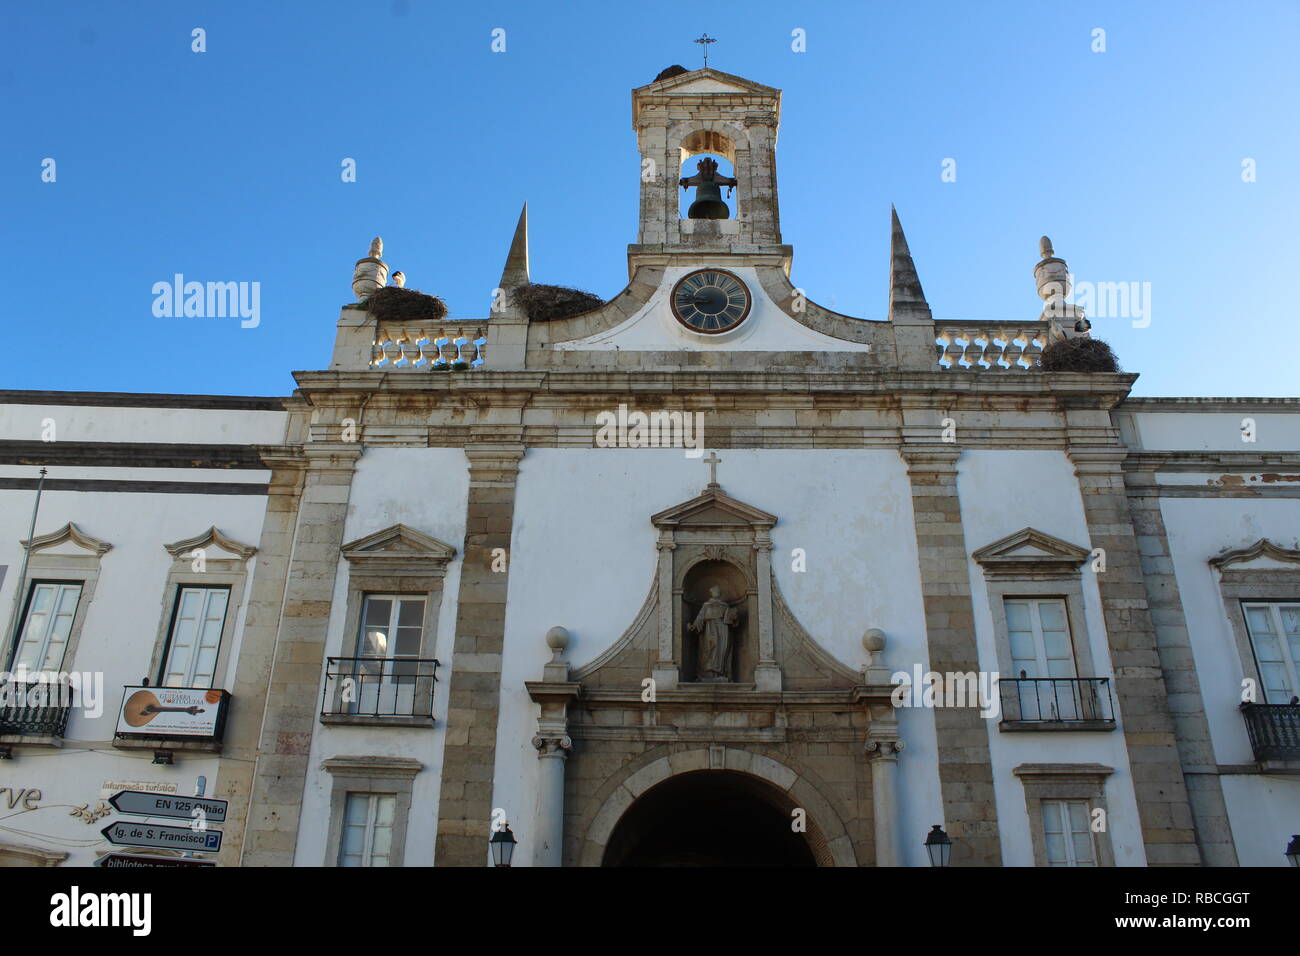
<point>714,818</point>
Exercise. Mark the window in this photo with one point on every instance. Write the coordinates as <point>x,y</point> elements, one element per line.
<point>195,640</point>
<point>1039,636</point>
<point>1275,638</point>
<point>51,610</point>
<point>367,838</point>
<point>1067,834</point>
<point>392,630</point>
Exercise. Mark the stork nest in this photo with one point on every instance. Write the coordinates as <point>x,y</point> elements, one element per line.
<point>671,71</point>
<point>544,303</point>
<point>1079,355</point>
<point>405,305</point>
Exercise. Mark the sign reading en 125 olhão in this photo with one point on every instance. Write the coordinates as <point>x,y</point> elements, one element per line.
<point>125,833</point>
<point>144,804</point>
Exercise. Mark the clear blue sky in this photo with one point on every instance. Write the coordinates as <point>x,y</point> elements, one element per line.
<point>225,166</point>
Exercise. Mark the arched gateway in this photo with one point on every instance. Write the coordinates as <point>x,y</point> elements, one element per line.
<point>698,808</point>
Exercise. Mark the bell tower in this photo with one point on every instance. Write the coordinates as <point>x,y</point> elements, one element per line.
<point>689,113</point>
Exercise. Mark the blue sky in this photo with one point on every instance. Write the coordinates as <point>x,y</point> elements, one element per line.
<point>225,166</point>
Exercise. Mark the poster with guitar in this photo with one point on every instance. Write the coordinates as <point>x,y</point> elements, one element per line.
<point>170,712</point>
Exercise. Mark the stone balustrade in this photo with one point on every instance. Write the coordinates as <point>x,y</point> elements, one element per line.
<point>992,347</point>
<point>429,346</point>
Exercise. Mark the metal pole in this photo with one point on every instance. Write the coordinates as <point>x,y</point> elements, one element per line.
<point>22,574</point>
<point>200,786</point>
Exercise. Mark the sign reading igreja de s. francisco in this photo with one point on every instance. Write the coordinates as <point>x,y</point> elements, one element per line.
<point>170,711</point>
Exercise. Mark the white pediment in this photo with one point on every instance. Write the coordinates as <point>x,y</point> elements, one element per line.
<point>68,540</point>
<point>706,80</point>
<point>1030,551</point>
<point>398,547</point>
<point>1262,555</point>
<point>208,541</point>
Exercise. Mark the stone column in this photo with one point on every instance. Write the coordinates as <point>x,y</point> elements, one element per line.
<point>235,779</point>
<point>1186,703</point>
<point>469,752</point>
<point>767,673</point>
<point>965,771</point>
<point>883,753</point>
<point>555,692</point>
<point>1149,733</point>
<point>293,704</point>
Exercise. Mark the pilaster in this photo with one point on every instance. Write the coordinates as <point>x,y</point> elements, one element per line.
<point>965,771</point>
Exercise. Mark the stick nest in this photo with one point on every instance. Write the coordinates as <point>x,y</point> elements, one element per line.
<point>405,305</point>
<point>544,303</point>
<point>1079,355</point>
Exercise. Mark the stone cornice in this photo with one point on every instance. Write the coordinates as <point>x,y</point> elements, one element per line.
<point>388,767</point>
<point>1210,462</point>
<point>212,536</point>
<point>69,532</point>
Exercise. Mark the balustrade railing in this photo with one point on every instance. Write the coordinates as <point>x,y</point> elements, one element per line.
<point>429,346</point>
<point>991,347</point>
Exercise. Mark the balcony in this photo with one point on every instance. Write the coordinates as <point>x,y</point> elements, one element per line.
<point>1274,731</point>
<point>34,712</point>
<point>394,692</point>
<point>1056,703</point>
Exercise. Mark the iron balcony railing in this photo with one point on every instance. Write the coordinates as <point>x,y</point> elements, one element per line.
<point>1057,700</point>
<point>1274,730</point>
<point>37,709</point>
<point>379,687</point>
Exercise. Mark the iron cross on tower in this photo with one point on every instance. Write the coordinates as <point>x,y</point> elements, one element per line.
<point>704,42</point>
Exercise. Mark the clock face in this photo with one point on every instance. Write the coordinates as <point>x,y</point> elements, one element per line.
<point>710,301</point>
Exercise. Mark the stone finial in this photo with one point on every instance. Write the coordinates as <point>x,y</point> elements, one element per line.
<point>371,273</point>
<point>1052,277</point>
<point>874,641</point>
<point>557,639</point>
<point>557,669</point>
<point>399,279</point>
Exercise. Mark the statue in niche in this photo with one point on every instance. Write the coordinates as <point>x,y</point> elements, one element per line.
<point>714,625</point>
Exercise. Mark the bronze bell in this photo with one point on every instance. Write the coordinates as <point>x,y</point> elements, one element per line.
<point>708,191</point>
<point>708,203</point>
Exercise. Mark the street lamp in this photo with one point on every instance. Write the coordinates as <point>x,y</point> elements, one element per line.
<point>938,846</point>
<point>1293,850</point>
<point>503,846</point>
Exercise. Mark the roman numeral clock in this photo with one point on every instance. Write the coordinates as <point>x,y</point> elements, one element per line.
<point>710,301</point>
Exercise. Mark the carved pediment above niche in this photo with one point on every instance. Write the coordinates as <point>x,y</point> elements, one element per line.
<point>713,509</point>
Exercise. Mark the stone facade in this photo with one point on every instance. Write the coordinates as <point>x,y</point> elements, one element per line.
<point>885,488</point>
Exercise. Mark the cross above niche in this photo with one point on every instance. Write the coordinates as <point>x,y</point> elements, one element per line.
<point>713,461</point>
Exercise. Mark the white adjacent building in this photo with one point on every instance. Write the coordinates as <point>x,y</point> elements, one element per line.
<point>642,581</point>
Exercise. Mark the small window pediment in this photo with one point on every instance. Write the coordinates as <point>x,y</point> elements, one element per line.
<point>398,548</point>
<point>207,540</point>
<point>68,534</point>
<point>1030,553</point>
<point>1263,554</point>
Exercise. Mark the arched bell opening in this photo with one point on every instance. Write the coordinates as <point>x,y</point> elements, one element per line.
<point>708,161</point>
<point>716,818</point>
